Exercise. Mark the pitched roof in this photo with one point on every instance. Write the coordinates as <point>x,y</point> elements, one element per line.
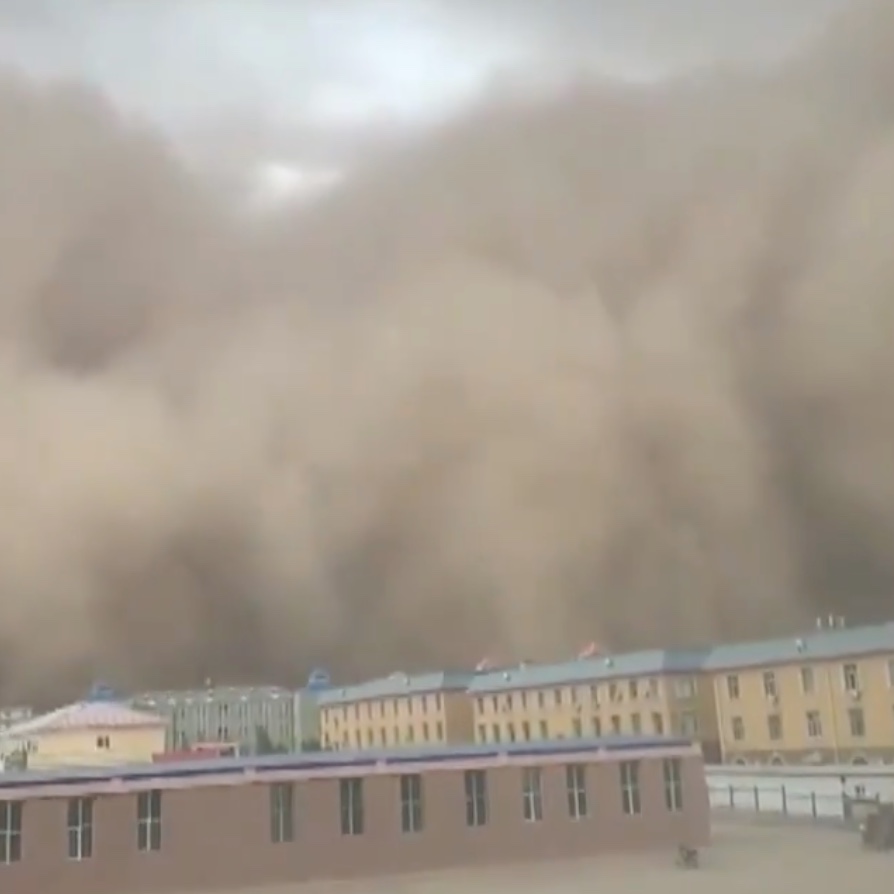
<point>817,645</point>
<point>395,686</point>
<point>86,715</point>
<point>591,670</point>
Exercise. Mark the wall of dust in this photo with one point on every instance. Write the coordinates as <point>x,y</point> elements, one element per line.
<point>605,362</point>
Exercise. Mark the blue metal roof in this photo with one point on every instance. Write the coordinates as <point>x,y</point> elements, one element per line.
<point>395,686</point>
<point>816,645</point>
<point>323,760</point>
<point>652,662</point>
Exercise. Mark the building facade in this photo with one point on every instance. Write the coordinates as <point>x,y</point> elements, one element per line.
<point>824,696</point>
<point>229,825</point>
<point>399,710</point>
<point>257,719</point>
<point>656,692</point>
<point>93,733</point>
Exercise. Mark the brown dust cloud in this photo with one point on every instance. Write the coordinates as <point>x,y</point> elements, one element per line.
<point>600,361</point>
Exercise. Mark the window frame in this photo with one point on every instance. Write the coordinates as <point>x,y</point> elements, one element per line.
<point>532,794</point>
<point>631,797</point>
<point>412,809</point>
<point>576,791</point>
<point>672,775</point>
<point>149,819</point>
<point>351,806</point>
<point>11,831</point>
<point>282,812</point>
<point>79,827</point>
<point>476,798</point>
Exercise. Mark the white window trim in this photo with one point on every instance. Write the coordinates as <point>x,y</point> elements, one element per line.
<point>532,794</point>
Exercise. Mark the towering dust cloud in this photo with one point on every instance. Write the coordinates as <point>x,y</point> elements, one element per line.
<point>613,362</point>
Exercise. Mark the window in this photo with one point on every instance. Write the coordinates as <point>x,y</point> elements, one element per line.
<point>597,726</point>
<point>532,794</point>
<point>658,723</point>
<point>857,722</point>
<point>576,786</point>
<point>482,732</point>
<point>10,831</point>
<point>526,730</point>
<point>411,734</point>
<point>425,731</point>
<point>814,725</point>
<point>636,724</point>
<point>614,694</point>
<point>544,729</point>
<point>732,687</point>
<point>475,782</point>
<point>103,743</point>
<point>496,732</point>
<point>541,699</point>
<point>891,672</point>
<point>689,723</point>
<point>282,812</point>
<point>770,690</point>
<point>850,678</point>
<point>480,705</point>
<point>149,821</point>
<point>440,730</point>
<point>616,724</point>
<point>633,689</point>
<point>630,800</point>
<point>350,792</point>
<point>510,731</point>
<point>411,803</point>
<point>673,785</point>
<point>80,828</point>
<point>557,696</point>
<point>684,687</point>
<point>808,684</point>
<point>774,727</point>
<point>738,728</point>
<point>576,728</point>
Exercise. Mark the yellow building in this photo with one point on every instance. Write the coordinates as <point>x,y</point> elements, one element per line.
<point>85,734</point>
<point>402,709</point>
<point>656,692</point>
<point>824,696</point>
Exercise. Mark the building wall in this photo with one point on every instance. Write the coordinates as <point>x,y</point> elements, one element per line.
<point>94,747</point>
<point>219,837</point>
<point>653,705</point>
<point>306,712</point>
<point>425,718</point>
<point>821,717</point>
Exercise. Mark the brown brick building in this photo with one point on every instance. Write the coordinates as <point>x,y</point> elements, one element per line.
<point>230,823</point>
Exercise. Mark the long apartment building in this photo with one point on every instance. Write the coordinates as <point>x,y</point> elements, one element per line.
<point>655,692</point>
<point>824,696</point>
<point>401,709</point>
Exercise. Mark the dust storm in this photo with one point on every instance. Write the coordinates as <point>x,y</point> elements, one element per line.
<point>599,361</point>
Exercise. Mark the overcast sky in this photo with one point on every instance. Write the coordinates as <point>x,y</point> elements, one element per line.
<point>349,59</point>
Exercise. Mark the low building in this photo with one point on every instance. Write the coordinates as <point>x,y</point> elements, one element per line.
<point>12,715</point>
<point>401,709</point>
<point>96,732</point>
<point>822,696</point>
<point>656,692</point>
<point>257,719</point>
<point>281,820</point>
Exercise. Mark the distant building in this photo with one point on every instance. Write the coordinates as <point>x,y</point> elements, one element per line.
<point>823,696</point>
<point>257,719</point>
<point>657,692</point>
<point>399,710</point>
<point>99,731</point>
<point>11,715</point>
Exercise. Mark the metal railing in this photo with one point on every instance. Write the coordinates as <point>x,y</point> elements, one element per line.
<point>783,801</point>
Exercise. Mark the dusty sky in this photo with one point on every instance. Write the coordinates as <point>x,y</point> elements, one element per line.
<point>590,342</point>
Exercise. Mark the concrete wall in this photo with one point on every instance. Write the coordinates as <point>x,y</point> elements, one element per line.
<point>219,836</point>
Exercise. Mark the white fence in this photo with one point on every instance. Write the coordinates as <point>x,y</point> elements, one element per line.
<point>827,792</point>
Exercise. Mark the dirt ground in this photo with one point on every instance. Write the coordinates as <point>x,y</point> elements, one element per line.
<point>744,859</point>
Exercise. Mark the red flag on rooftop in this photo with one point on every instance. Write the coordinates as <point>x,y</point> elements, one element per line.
<point>589,650</point>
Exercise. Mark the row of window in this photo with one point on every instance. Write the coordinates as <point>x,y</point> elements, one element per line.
<point>80,827</point>
<point>813,724</point>
<point>352,816</point>
<point>370,737</point>
<point>615,691</point>
<point>526,731</point>
<point>849,677</point>
<point>388,707</point>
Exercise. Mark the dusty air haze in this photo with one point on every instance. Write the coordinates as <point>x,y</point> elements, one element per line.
<point>598,360</point>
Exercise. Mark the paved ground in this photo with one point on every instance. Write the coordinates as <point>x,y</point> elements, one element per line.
<point>746,858</point>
